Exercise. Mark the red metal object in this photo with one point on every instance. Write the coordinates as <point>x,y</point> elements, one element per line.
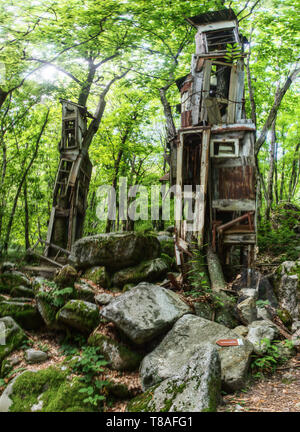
<point>229,342</point>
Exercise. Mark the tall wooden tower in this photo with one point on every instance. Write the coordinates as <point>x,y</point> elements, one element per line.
<point>72,181</point>
<point>214,147</point>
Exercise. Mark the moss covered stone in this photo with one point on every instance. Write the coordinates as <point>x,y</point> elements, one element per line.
<point>47,309</point>
<point>14,278</point>
<point>21,291</point>
<point>47,390</point>
<point>24,313</point>
<point>150,271</point>
<point>114,250</point>
<point>285,317</point>
<point>66,276</point>
<point>120,356</point>
<point>11,336</point>
<point>79,314</point>
<point>195,387</point>
<point>98,275</point>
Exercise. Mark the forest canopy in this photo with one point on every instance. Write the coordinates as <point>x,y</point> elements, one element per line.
<point>120,59</point>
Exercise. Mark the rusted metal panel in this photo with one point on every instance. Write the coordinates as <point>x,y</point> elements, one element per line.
<point>186,119</point>
<point>237,182</point>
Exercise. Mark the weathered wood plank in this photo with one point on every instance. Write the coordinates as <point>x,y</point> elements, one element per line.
<point>232,95</point>
<point>213,111</point>
<point>204,173</point>
<point>239,239</point>
<point>205,87</point>
<point>234,205</point>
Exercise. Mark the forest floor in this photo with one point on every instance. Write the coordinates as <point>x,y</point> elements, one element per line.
<point>279,392</point>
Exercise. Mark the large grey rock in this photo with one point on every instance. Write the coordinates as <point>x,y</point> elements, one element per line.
<point>258,282</point>
<point>114,250</point>
<point>79,314</point>
<point>288,294</point>
<point>103,299</point>
<point>35,356</point>
<point>194,388</point>
<point>11,336</point>
<point>150,271</point>
<point>247,310</point>
<point>119,356</point>
<point>145,311</point>
<point>258,331</point>
<point>5,398</point>
<point>186,338</point>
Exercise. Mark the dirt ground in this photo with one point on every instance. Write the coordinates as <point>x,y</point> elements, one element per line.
<point>279,392</point>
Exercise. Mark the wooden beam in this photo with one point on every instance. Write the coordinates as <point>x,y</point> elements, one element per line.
<point>205,87</point>
<point>204,172</point>
<point>234,205</point>
<point>232,95</point>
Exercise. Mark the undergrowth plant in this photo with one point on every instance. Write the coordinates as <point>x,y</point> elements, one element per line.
<point>268,362</point>
<point>88,363</point>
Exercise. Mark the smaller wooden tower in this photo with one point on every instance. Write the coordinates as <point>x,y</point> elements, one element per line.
<point>214,147</point>
<point>72,181</point>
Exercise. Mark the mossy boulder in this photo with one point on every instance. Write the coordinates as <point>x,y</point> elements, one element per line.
<point>83,291</point>
<point>24,313</point>
<point>120,356</point>
<point>150,271</point>
<point>285,317</point>
<point>80,315</point>
<point>185,338</point>
<point>145,312</point>
<point>221,309</point>
<point>195,387</point>
<point>66,276</point>
<point>21,291</point>
<point>46,390</point>
<point>11,336</point>
<point>115,250</point>
<point>47,309</point>
<point>98,275</point>
<point>11,279</point>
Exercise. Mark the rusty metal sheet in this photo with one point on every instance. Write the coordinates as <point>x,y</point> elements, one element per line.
<point>237,182</point>
<point>186,118</point>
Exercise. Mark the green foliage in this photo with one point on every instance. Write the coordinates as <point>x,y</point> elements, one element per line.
<point>275,235</point>
<point>233,53</point>
<point>268,362</point>
<point>89,364</point>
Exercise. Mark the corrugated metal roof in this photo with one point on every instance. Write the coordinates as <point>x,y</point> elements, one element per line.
<point>211,17</point>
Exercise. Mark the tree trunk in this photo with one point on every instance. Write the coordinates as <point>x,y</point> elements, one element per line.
<point>282,176</point>
<point>295,173</point>
<point>170,126</point>
<point>271,171</point>
<point>26,213</point>
<point>280,92</point>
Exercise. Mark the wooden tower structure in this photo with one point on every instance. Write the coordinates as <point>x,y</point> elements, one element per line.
<point>214,147</point>
<point>72,182</point>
